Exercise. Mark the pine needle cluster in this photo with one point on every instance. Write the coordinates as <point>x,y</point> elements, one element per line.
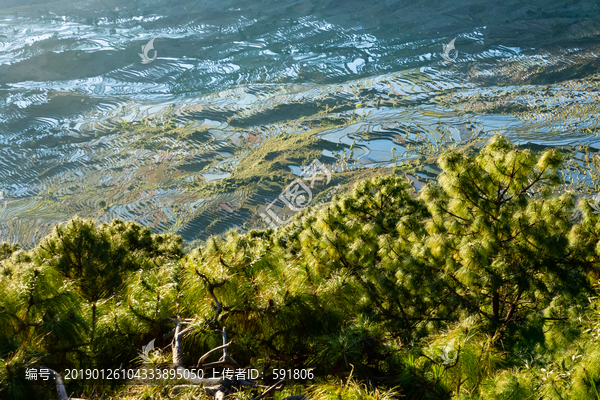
<point>481,286</point>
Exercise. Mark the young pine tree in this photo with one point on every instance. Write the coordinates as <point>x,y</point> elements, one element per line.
<point>498,237</point>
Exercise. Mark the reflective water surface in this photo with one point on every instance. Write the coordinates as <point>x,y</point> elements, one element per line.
<point>87,129</point>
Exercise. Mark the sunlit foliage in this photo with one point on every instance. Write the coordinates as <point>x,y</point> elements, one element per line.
<point>481,286</point>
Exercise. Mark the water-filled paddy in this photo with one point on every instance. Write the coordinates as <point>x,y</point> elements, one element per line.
<point>204,136</point>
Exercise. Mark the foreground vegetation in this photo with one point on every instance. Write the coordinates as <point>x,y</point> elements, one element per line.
<point>481,287</point>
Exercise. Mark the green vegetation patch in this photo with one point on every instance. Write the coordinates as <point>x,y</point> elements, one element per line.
<point>266,168</point>
<point>290,111</point>
<point>480,286</point>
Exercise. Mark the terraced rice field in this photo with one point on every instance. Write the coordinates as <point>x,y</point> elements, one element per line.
<point>202,139</point>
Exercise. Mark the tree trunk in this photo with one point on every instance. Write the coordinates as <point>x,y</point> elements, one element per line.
<point>60,385</point>
<point>177,345</point>
<point>93,335</point>
<point>496,305</point>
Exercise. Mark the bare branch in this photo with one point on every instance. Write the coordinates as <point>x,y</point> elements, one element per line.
<point>225,361</point>
<point>186,330</point>
<point>224,334</point>
<point>271,389</point>
<point>205,356</point>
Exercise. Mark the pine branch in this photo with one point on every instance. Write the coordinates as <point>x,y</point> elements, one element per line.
<point>511,177</point>
<point>211,290</point>
<point>474,183</point>
<point>513,306</point>
<point>30,301</point>
<point>138,314</point>
<point>466,196</point>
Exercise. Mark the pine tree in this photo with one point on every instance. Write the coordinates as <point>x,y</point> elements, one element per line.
<point>498,236</point>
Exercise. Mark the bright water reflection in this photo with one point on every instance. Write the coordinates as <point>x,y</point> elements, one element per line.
<point>71,88</point>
